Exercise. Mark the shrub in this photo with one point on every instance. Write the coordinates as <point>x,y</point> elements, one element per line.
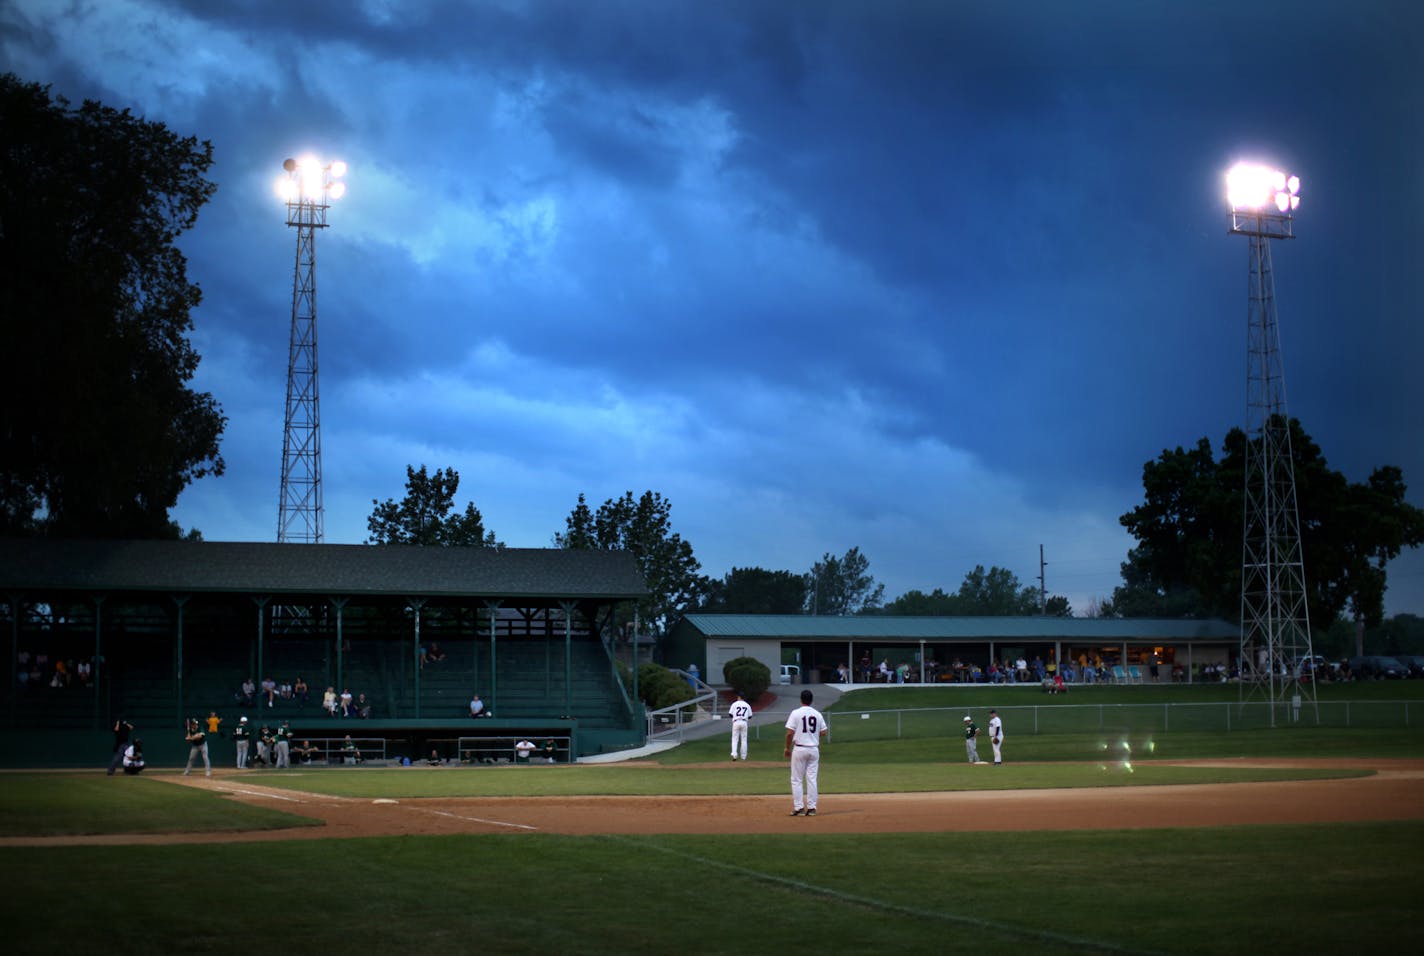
<point>659,687</point>
<point>748,676</point>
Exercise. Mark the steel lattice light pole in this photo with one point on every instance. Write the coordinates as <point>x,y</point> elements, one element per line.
<point>1275,620</point>
<point>307,187</point>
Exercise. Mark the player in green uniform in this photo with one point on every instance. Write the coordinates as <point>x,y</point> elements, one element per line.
<point>971,739</point>
<point>242,736</point>
<point>197,745</point>
<point>284,745</point>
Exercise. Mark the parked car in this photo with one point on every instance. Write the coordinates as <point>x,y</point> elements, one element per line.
<point>1414,663</point>
<point>790,674</point>
<point>1376,667</point>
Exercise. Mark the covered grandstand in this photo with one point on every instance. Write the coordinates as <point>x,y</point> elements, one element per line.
<point>171,629</point>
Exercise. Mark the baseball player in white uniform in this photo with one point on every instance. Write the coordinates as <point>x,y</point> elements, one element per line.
<point>996,736</point>
<point>804,730</point>
<point>740,713</point>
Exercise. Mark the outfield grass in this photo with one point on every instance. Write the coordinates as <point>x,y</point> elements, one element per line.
<point>1251,890</point>
<point>1260,890</point>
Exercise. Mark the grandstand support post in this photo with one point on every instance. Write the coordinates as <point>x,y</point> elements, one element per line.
<point>261,602</point>
<point>568,608</point>
<point>415,605</point>
<point>98,656</point>
<point>340,604</point>
<point>493,670</point>
<point>635,657</point>
<point>180,600</point>
<point>14,601</point>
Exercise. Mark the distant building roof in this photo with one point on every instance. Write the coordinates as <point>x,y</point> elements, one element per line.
<point>38,564</point>
<point>894,628</point>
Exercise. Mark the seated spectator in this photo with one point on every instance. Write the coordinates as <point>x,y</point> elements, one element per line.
<point>551,751</point>
<point>301,692</point>
<point>247,694</point>
<point>1058,686</point>
<point>86,673</point>
<point>435,655</point>
<point>842,674</point>
<point>284,690</point>
<point>523,749</point>
<point>133,758</point>
<point>349,753</point>
<point>345,702</point>
<point>362,707</point>
<point>328,701</point>
<point>884,672</point>
<point>422,654</point>
<point>477,707</point>
<point>269,690</point>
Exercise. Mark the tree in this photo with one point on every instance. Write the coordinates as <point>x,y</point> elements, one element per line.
<point>643,527</point>
<point>755,591</point>
<point>424,515</point>
<point>99,431</point>
<point>915,603</point>
<point>1187,562</point>
<point>840,586</point>
<point>995,593</point>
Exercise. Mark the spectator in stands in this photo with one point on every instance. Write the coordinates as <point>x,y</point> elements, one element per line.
<point>247,695</point>
<point>214,722</point>
<point>328,701</point>
<point>284,690</point>
<point>1020,669</point>
<point>842,673</point>
<point>269,690</point>
<point>23,677</point>
<point>345,702</point>
<point>422,654</point>
<point>86,673</point>
<point>523,749</point>
<point>300,691</point>
<point>61,675</point>
<point>362,706</point>
<point>884,672</point>
<point>349,753</point>
<point>865,667</point>
<point>551,751</point>
<point>133,758</point>
<point>436,655</point>
<point>477,707</point>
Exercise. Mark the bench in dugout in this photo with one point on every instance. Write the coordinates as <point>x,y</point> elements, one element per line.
<point>329,750</point>
<point>491,750</point>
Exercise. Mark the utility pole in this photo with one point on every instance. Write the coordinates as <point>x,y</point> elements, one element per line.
<point>1042,584</point>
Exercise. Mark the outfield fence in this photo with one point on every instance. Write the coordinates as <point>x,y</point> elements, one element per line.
<point>1036,719</point>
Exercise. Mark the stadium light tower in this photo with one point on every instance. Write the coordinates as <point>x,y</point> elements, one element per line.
<point>1275,621</point>
<point>308,186</point>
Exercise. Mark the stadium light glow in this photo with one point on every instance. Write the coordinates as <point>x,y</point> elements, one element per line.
<point>308,181</point>
<point>1254,186</point>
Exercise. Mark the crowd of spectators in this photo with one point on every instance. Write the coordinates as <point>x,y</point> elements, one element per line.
<point>38,669</point>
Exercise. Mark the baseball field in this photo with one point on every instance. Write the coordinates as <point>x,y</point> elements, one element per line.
<point>1298,839</point>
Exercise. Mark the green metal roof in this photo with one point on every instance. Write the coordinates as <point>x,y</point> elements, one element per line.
<point>37,564</point>
<point>885,627</point>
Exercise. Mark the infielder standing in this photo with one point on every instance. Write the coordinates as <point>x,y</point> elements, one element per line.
<point>804,730</point>
<point>740,713</point>
<point>971,741</point>
<point>996,736</point>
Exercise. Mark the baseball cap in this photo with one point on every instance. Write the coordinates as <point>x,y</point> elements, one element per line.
<point>243,721</point>
<point>966,717</point>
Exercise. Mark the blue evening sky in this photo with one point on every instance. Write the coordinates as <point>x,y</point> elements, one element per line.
<point>933,279</point>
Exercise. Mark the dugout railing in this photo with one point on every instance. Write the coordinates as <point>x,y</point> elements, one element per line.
<point>492,749</point>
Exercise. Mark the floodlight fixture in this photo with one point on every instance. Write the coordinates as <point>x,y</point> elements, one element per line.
<point>310,182</point>
<point>1252,189</point>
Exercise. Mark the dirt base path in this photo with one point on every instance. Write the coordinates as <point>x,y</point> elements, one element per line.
<point>1394,792</point>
